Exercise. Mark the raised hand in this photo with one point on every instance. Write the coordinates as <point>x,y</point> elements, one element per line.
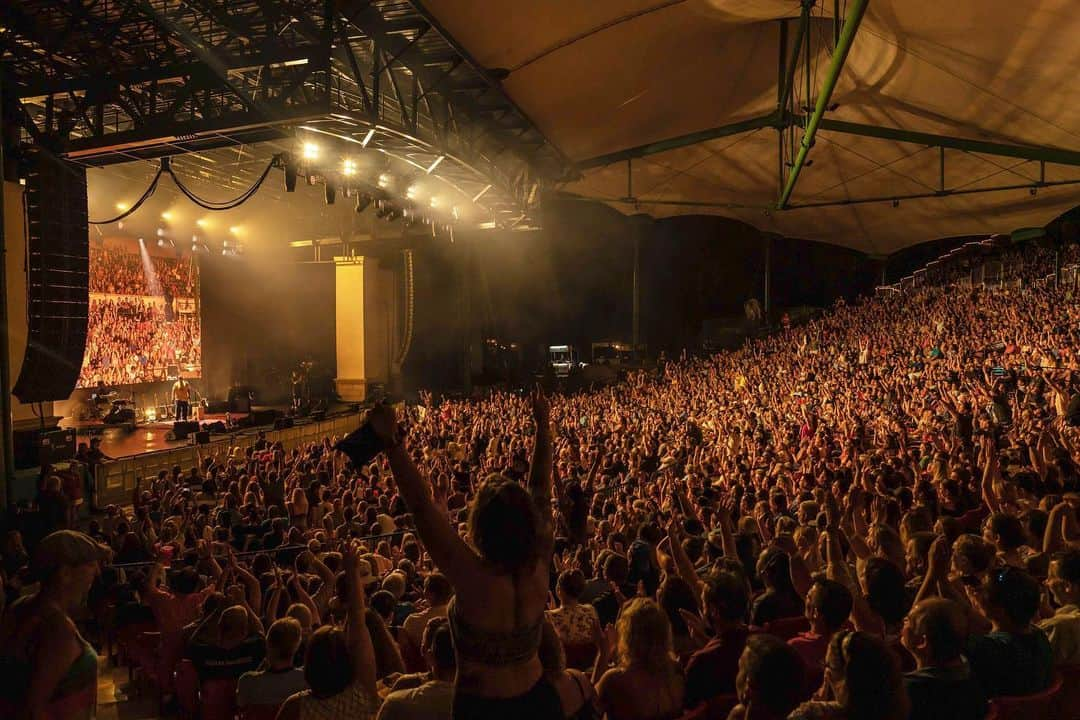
<point>383,420</point>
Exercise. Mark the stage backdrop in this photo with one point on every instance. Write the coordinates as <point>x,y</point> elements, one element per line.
<point>260,319</point>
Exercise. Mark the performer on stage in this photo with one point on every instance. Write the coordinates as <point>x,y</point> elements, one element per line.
<point>181,392</point>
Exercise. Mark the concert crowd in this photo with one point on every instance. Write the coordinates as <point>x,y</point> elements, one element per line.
<point>131,340</point>
<point>869,517</point>
<point>114,271</point>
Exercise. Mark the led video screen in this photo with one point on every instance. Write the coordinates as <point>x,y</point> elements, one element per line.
<point>144,314</point>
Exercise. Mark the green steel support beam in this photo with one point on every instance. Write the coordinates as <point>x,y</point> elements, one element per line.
<point>770,120</point>
<point>1059,156</point>
<point>836,65</point>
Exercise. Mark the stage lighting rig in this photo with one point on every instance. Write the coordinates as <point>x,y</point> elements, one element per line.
<point>288,162</point>
<point>310,151</point>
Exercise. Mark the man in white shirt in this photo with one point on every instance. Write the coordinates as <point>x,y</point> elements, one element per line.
<point>433,698</point>
<point>181,393</point>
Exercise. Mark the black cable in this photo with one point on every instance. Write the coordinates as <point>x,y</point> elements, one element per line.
<point>145,196</point>
<point>226,204</point>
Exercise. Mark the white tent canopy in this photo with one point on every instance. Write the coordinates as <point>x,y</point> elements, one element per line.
<point>605,78</point>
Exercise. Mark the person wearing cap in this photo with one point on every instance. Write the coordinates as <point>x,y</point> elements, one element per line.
<point>46,667</point>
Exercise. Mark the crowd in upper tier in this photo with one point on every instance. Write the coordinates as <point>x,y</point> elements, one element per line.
<point>870,517</point>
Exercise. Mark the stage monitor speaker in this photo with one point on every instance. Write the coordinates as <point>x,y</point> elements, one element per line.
<point>57,278</point>
<point>318,415</point>
<point>202,437</point>
<point>283,423</point>
<point>181,430</point>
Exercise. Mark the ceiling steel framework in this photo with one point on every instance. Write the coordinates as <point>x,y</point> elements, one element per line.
<point>792,125</point>
<point>107,81</point>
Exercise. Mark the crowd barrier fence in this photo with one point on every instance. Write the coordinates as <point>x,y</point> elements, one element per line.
<point>115,480</point>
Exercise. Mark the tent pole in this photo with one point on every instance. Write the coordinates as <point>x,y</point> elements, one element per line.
<point>836,65</point>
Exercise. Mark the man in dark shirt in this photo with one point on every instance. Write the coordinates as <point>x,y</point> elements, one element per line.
<point>942,687</point>
<point>1015,657</point>
<point>711,671</point>
<point>237,649</point>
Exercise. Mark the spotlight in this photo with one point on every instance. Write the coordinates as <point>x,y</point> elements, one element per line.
<point>194,238</point>
<point>435,201</point>
<point>160,242</point>
<point>202,222</point>
<point>166,216</point>
<point>384,180</point>
<point>234,230</point>
<point>362,202</point>
<point>412,192</point>
<point>122,206</point>
<point>290,173</point>
<point>161,232</point>
<point>311,151</point>
<point>348,167</point>
<point>120,225</point>
<point>330,193</point>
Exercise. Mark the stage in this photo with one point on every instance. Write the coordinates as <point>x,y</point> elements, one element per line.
<point>124,441</point>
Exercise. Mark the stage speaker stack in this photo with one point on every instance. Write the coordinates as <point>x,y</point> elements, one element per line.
<point>181,430</point>
<point>58,278</point>
<point>202,437</point>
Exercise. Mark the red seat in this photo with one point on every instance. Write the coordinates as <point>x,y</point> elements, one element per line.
<point>259,712</point>
<point>1068,701</point>
<point>1040,706</point>
<point>186,685</point>
<point>218,699</point>
<point>787,628</point>
<point>716,708</point>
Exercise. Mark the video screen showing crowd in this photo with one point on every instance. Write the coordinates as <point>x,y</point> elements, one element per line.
<point>144,323</point>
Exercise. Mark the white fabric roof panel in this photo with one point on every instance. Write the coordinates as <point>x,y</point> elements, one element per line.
<point>606,75</point>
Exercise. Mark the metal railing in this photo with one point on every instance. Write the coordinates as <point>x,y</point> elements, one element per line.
<point>114,481</point>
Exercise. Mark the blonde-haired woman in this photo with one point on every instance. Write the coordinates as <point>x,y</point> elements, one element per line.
<point>646,683</point>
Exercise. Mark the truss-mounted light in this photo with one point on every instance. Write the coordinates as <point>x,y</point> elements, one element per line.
<point>311,151</point>
<point>432,166</point>
<point>348,167</point>
<point>367,138</point>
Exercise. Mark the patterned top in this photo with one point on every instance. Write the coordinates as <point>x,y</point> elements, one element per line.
<point>575,625</point>
<point>353,704</point>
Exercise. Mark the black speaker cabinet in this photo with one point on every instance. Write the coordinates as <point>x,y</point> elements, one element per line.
<point>58,278</point>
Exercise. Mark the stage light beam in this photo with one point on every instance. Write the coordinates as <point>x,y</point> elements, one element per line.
<point>431,168</point>
<point>348,167</point>
<point>367,138</point>
<point>311,151</point>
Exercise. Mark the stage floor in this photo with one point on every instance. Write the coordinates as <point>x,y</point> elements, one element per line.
<point>121,441</point>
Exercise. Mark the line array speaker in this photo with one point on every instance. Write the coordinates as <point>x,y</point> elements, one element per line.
<point>58,278</point>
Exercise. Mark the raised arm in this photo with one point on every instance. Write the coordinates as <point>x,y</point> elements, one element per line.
<point>357,636</point>
<point>540,469</point>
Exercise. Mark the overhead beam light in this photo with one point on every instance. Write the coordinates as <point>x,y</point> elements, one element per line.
<point>311,151</point>
<point>202,222</point>
<point>432,166</point>
<point>348,167</point>
<point>412,192</point>
<point>122,206</point>
<point>384,181</point>
<point>367,138</point>
<point>481,193</point>
<point>435,201</point>
<point>166,216</point>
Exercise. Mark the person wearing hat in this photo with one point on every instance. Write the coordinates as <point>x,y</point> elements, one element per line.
<point>46,667</point>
